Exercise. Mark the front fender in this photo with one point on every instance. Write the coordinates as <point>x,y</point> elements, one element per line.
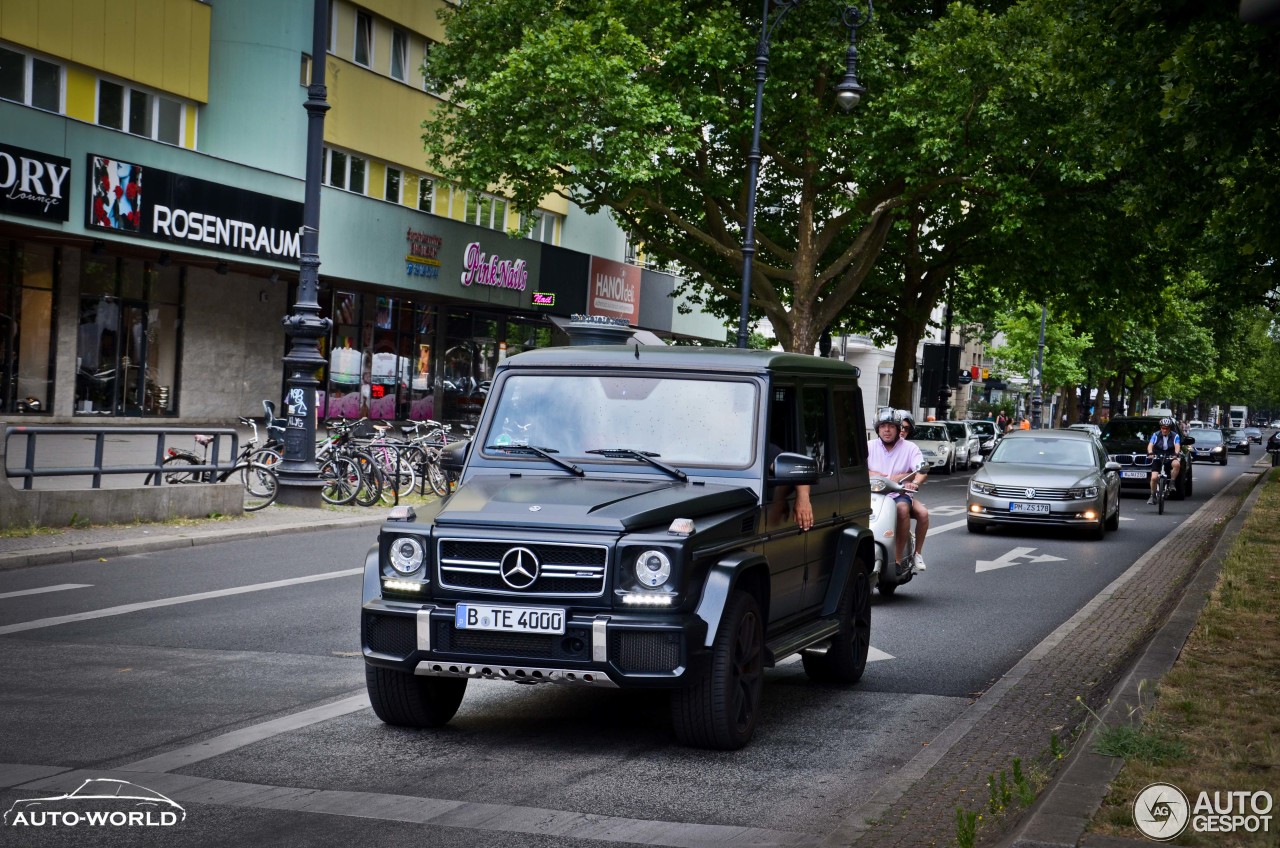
<point>719,585</point>
<point>372,575</point>
<point>855,543</point>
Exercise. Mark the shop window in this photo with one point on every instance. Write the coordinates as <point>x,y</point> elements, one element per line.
<point>363,52</point>
<point>127,345</point>
<point>26,327</point>
<point>399,54</point>
<point>30,80</point>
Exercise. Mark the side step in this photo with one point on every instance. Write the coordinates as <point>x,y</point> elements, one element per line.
<point>794,641</point>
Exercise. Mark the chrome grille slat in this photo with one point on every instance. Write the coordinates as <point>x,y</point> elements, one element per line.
<point>1020,493</point>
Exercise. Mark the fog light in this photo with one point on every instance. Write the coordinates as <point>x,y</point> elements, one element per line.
<point>1089,514</point>
<point>975,508</point>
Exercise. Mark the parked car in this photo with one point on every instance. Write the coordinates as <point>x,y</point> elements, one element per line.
<point>1053,478</point>
<point>1254,434</point>
<point>1210,445</point>
<point>1237,441</point>
<point>1091,429</point>
<point>987,434</point>
<point>634,531</point>
<point>968,447</point>
<point>1125,440</point>
<point>935,445</point>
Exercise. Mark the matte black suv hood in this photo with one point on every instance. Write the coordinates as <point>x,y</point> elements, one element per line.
<point>586,503</point>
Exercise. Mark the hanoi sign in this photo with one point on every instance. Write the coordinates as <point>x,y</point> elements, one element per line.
<point>131,199</point>
<point>613,290</point>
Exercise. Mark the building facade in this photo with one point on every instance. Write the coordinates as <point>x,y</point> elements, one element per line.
<point>152,162</point>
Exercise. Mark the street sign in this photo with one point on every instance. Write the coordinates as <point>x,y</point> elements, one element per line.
<point>965,378</point>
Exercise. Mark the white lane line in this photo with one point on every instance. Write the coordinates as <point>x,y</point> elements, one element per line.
<point>168,602</point>
<point>248,735</point>
<point>933,531</point>
<point>59,588</point>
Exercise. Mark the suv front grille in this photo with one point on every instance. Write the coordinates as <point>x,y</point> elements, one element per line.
<point>563,570</point>
<point>1140,460</point>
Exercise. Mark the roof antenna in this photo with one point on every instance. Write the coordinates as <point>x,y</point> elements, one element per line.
<point>637,344</point>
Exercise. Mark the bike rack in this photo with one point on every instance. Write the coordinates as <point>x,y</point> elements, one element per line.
<point>28,471</point>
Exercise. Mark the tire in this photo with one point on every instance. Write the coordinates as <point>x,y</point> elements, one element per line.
<point>260,486</point>
<point>340,479</point>
<point>1223,461</point>
<point>1186,490</point>
<point>1099,532</point>
<point>975,527</point>
<point>404,699</point>
<point>846,658</point>
<point>1113,523</point>
<point>437,478</point>
<point>720,710</point>
<point>1160,494</point>
<point>269,457</point>
<point>172,470</point>
<point>369,487</point>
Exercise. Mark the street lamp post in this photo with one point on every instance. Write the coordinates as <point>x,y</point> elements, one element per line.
<point>848,94</point>
<point>1037,385</point>
<point>299,476</point>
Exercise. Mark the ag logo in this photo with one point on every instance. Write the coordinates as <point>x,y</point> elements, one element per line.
<point>1161,811</point>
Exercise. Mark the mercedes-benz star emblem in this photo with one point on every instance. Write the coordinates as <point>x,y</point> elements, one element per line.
<point>519,568</point>
<point>1031,493</point>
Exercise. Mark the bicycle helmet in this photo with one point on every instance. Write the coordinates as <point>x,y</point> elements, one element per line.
<point>1166,422</point>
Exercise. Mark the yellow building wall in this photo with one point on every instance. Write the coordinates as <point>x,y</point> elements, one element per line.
<point>416,15</point>
<point>161,44</point>
<point>375,115</point>
<point>82,90</point>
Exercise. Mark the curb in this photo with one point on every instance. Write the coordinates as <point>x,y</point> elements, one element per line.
<point>189,537</point>
<point>1063,812</point>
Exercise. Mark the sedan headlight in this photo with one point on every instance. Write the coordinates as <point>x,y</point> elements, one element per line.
<point>405,553</point>
<point>653,568</point>
<point>1218,449</point>
<point>981,488</point>
<point>1084,492</point>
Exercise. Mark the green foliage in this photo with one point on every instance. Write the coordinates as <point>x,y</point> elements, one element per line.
<point>966,827</point>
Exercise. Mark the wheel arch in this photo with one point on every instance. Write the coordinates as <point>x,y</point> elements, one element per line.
<point>855,543</point>
<point>744,570</point>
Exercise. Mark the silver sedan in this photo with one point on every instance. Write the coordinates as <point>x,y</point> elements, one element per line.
<point>1051,478</point>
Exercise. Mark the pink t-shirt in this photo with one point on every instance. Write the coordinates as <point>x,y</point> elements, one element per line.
<point>904,457</point>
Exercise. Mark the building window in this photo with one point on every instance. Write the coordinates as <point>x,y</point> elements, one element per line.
<point>882,390</point>
<point>427,83</point>
<point>342,170</point>
<point>485,210</point>
<point>426,193</point>
<point>545,227</point>
<point>304,70</point>
<point>140,112</point>
<point>399,55</point>
<point>30,80</point>
<point>392,188</point>
<point>363,54</point>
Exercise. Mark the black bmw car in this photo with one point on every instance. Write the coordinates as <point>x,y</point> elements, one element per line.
<point>1125,440</point>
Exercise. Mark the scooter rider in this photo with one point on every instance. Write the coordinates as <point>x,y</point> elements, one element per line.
<point>893,457</point>
<point>919,511</point>
<point>1165,442</point>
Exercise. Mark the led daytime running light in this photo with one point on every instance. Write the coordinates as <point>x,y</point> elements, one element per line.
<point>402,585</point>
<point>655,600</point>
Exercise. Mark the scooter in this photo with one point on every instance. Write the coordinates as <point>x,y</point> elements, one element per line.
<point>884,524</point>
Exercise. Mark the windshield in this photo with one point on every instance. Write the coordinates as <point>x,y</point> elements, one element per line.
<point>956,430</point>
<point>1206,437</point>
<point>1044,451</point>
<point>685,421</point>
<point>985,428</point>
<point>929,433</point>
<point>1130,429</point>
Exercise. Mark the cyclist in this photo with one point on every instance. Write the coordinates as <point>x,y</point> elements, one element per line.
<point>918,510</point>
<point>1165,444</point>
<point>891,456</point>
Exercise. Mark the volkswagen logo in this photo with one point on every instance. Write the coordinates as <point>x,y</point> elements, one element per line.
<point>1030,493</point>
<point>519,568</point>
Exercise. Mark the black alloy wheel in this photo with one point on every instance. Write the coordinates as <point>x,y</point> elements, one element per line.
<point>846,658</point>
<point>720,710</point>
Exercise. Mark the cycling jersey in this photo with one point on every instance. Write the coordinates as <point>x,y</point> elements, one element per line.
<point>1166,445</point>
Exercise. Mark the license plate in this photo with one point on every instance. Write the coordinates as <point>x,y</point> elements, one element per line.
<point>1029,508</point>
<point>1134,475</point>
<point>509,619</point>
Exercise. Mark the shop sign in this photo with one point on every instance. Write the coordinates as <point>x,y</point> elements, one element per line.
<point>483,270</point>
<point>544,298</point>
<point>423,258</point>
<point>137,200</point>
<point>33,184</point>
<point>614,290</point>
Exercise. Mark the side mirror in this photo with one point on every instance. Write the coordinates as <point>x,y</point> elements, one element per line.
<point>1111,466</point>
<point>1188,440</point>
<point>454,456</point>
<point>793,469</point>
<point>922,467</point>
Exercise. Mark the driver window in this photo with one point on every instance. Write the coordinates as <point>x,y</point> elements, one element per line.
<point>817,426</point>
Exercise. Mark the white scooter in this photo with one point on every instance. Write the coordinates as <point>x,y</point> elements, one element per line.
<point>884,525</point>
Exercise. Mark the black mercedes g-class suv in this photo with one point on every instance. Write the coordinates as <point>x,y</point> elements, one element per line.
<point>625,517</point>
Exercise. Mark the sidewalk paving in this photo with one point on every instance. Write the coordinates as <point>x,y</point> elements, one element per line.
<point>1131,631</point>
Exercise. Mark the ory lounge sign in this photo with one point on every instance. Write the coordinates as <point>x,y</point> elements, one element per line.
<point>33,184</point>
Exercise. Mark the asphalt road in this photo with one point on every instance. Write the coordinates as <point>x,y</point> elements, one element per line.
<point>228,677</point>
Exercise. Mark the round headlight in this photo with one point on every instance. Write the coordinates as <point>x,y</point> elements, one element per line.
<point>653,568</point>
<point>406,554</point>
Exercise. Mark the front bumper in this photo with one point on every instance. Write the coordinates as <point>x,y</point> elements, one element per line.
<point>597,649</point>
<point>990,510</point>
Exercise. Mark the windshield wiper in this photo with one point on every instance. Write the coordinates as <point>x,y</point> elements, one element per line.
<point>643,456</point>
<point>545,453</point>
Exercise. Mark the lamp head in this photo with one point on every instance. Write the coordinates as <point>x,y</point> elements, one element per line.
<point>849,92</point>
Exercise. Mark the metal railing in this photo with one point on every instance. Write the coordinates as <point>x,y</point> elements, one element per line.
<point>28,470</point>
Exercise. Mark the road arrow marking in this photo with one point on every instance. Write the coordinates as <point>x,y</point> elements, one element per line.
<point>874,654</point>
<point>1009,559</point>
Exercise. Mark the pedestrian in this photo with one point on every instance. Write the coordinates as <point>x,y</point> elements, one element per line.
<point>1002,421</point>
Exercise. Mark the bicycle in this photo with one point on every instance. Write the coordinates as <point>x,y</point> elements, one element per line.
<point>426,443</point>
<point>254,464</point>
<point>1162,480</point>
